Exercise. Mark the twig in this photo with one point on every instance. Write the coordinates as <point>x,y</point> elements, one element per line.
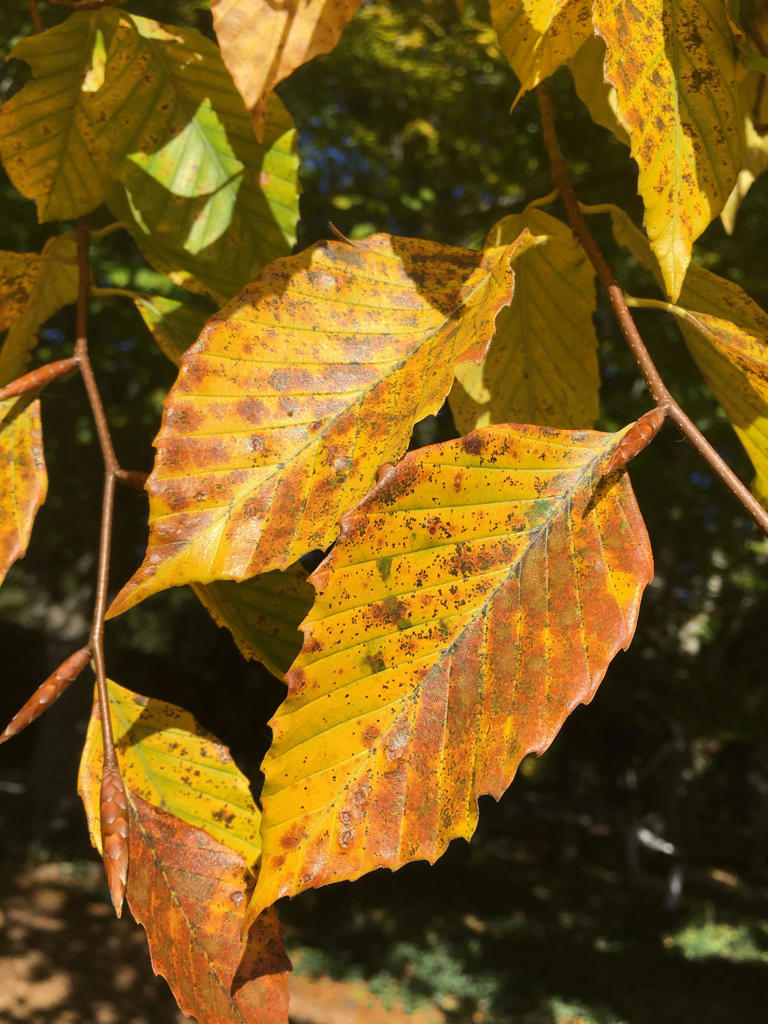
<point>34,16</point>
<point>114,826</point>
<point>654,383</point>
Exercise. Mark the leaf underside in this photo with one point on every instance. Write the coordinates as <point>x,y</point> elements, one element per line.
<point>541,366</point>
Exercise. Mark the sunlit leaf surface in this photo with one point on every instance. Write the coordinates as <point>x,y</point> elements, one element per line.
<point>537,36</point>
<point>673,65</point>
<point>32,288</point>
<point>262,42</point>
<point>298,391</point>
<point>23,480</point>
<point>474,598</point>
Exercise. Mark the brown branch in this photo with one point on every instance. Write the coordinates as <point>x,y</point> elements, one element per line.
<point>34,16</point>
<point>654,383</point>
<point>114,822</point>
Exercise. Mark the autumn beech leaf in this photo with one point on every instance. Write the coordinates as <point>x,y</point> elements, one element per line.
<point>166,758</point>
<point>537,36</point>
<point>174,325</point>
<point>187,891</point>
<point>33,286</point>
<point>194,842</point>
<point>542,364</point>
<point>298,391</point>
<point>263,42</point>
<point>205,201</point>
<point>597,95</point>
<point>49,144</point>
<point>23,479</point>
<point>262,614</point>
<point>673,66</point>
<point>473,599</point>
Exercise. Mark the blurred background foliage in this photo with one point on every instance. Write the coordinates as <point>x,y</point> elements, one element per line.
<point>623,877</point>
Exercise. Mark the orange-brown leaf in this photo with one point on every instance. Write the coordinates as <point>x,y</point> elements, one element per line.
<point>298,391</point>
<point>47,692</point>
<point>262,42</point>
<point>474,598</point>
<point>188,891</point>
<point>23,480</point>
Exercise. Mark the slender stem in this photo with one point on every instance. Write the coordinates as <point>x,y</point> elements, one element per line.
<point>34,16</point>
<point>111,468</point>
<point>103,293</point>
<point>654,383</point>
<point>668,307</point>
<point>108,229</point>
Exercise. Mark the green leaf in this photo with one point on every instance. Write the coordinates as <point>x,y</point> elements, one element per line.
<point>175,325</point>
<point>206,202</point>
<point>262,614</point>
<point>542,363</point>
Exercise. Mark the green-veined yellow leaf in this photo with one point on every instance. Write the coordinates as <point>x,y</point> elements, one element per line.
<point>672,63</point>
<point>537,36</point>
<point>169,760</point>
<point>262,42</point>
<point>23,480</point>
<point>193,840</point>
<point>542,364</point>
<point>474,598</point>
<point>32,288</point>
<point>298,391</point>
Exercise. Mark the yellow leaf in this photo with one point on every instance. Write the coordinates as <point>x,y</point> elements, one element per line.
<point>23,480</point>
<point>755,104</point>
<point>542,364</point>
<point>263,42</point>
<point>474,598</point>
<point>594,92</point>
<point>167,759</point>
<point>537,36</point>
<point>298,391</point>
<point>672,63</point>
<point>33,287</point>
<point>727,334</point>
<point>52,149</point>
<point>262,614</point>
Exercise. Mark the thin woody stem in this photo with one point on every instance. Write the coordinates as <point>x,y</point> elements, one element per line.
<point>34,16</point>
<point>654,383</point>
<point>108,498</point>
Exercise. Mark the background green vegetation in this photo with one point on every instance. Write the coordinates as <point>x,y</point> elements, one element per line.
<point>558,911</point>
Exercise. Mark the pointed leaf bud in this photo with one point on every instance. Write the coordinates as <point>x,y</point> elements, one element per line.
<point>114,834</point>
<point>36,379</point>
<point>47,692</point>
